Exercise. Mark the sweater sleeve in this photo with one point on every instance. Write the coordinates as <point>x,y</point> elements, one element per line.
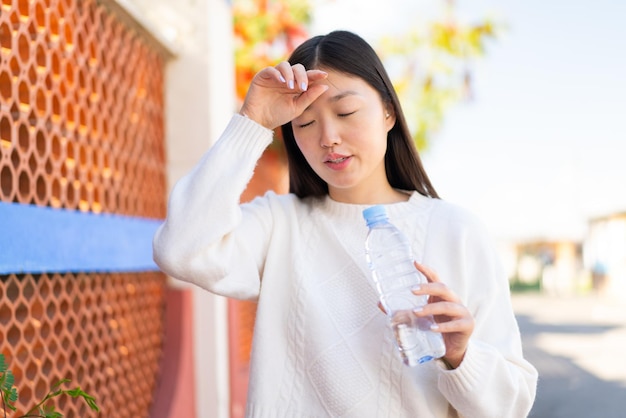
<point>208,238</point>
<point>494,379</point>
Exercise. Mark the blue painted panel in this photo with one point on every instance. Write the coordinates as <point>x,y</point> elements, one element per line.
<point>39,239</point>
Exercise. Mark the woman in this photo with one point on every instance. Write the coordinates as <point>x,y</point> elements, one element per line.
<point>321,346</point>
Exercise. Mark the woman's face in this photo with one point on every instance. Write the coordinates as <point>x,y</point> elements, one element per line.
<point>343,136</point>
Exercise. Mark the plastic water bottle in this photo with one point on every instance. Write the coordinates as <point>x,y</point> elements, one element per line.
<point>389,257</point>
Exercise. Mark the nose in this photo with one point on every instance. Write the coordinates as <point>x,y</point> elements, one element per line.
<point>329,136</point>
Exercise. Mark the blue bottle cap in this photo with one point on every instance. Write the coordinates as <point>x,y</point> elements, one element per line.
<point>375,214</point>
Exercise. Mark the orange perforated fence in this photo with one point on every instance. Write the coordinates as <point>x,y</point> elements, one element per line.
<point>81,122</point>
<point>81,131</point>
<point>102,331</point>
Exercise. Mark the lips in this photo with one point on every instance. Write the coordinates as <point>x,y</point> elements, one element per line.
<point>336,158</point>
<point>337,161</point>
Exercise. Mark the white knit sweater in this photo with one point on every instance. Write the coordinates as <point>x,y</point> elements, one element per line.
<point>321,347</point>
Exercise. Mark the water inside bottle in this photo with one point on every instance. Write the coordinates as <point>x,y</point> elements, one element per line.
<point>416,342</point>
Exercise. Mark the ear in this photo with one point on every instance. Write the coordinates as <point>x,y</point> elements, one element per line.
<point>390,116</point>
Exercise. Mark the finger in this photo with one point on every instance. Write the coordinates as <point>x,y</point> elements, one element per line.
<point>301,79</point>
<point>442,308</point>
<point>430,275</point>
<point>267,75</point>
<point>286,73</point>
<point>463,325</point>
<point>315,75</point>
<point>438,289</point>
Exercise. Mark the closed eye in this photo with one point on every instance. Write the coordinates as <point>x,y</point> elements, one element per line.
<point>341,115</point>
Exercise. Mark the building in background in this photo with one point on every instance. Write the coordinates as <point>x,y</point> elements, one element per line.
<point>605,254</point>
<point>596,264</point>
<point>551,266</point>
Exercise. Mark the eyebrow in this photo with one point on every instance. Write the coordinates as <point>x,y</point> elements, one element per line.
<point>337,97</point>
<point>342,95</point>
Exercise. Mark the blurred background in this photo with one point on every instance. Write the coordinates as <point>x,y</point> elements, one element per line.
<point>532,141</point>
<point>516,107</point>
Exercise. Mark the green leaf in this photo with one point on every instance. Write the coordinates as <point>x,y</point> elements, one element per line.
<point>48,411</point>
<point>74,393</point>
<point>9,393</point>
<point>8,402</point>
<point>7,380</point>
<point>11,407</point>
<point>60,382</point>
<point>13,395</point>
<point>3,364</point>
<point>92,404</point>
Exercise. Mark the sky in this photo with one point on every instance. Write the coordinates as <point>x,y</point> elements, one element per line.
<point>541,148</point>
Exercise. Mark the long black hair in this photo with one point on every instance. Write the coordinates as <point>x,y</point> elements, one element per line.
<point>350,54</point>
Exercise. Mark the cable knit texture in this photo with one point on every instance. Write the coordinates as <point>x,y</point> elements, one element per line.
<point>321,347</point>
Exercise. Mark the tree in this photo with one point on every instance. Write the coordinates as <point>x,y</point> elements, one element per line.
<point>429,67</point>
<point>429,64</point>
<point>266,32</point>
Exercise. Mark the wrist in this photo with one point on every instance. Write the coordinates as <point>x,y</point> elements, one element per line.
<point>446,363</point>
<point>251,116</point>
<point>452,362</point>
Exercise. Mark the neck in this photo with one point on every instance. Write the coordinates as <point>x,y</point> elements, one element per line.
<point>368,197</point>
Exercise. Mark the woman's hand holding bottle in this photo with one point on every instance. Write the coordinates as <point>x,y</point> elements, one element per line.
<point>454,320</point>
